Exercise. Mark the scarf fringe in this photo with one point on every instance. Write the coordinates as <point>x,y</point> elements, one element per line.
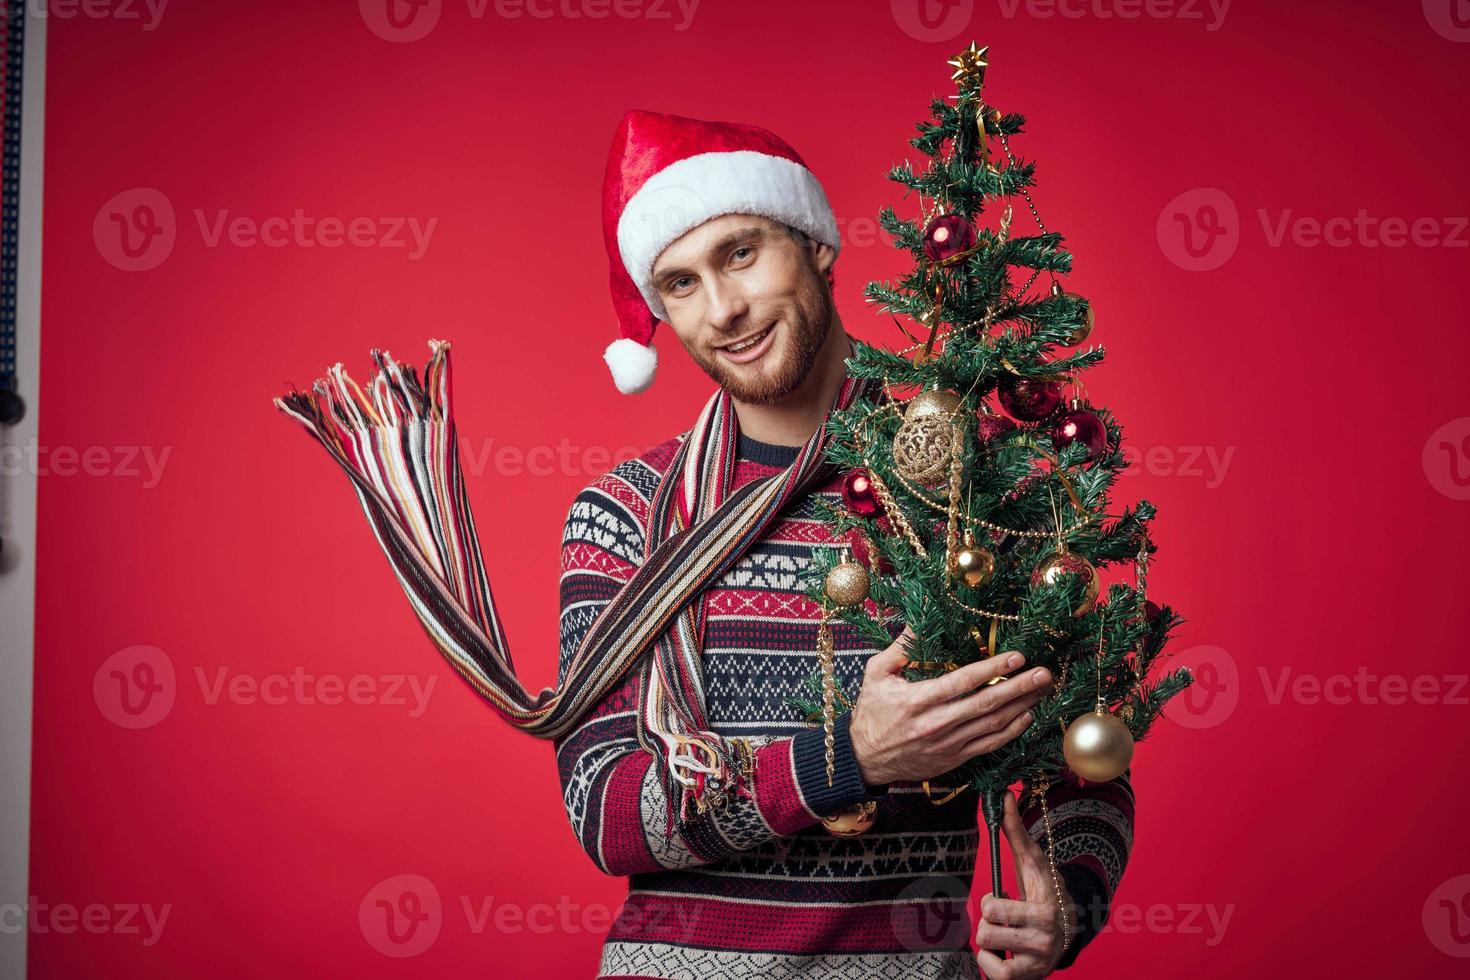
<point>398,445</point>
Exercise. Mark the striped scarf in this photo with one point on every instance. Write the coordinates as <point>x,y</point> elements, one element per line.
<point>398,445</point>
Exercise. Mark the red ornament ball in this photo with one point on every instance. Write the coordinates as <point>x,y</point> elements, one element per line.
<point>859,494</point>
<point>991,427</point>
<point>1029,399</point>
<point>947,235</point>
<point>1084,427</point>
<point>862,553</point>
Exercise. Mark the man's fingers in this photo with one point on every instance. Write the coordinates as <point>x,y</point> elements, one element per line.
<point>995,968</point>
<point>988,935</point>
<point>1023,848</point>
<point>968,731</point>
<point>1018,914</point>
<point>961,681</point>
<point>1032,874</point>
<point>1026,929</point>
<point>991,697</point>
<point>989,743</point>
<point>891,660</point>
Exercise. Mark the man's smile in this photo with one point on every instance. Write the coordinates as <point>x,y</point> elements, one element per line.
<point>750,347</point>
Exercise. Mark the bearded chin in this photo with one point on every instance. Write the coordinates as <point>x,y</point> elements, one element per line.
<point>807,328</point>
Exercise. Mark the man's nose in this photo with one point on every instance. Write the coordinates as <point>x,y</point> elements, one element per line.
<point>727,305</point>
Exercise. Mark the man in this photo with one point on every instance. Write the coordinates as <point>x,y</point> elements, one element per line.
<point>722,232</point>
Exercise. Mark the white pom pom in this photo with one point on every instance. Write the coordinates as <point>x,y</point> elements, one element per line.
<point>632,364</point>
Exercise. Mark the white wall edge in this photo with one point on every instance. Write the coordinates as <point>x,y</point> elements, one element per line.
<point>18,526</point>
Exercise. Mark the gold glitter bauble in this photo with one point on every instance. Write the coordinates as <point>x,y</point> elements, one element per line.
<point>852,820</point>
<point>922,448</point>
<point>1098,746</point>
<point>847,583</point>
<point>973,565</point>
<point>932,402</point>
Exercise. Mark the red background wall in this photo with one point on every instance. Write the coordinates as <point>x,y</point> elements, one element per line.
<point>1326,540</point>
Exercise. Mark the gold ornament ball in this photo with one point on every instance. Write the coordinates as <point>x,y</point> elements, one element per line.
<point>974,566</point>
<point>852,820</point>
<point>1098,746</point>
<point>1056,566</point>
<point>847,584</point>
<point>1084,329</point>
<point>932,402</point>
<point>922,448</point>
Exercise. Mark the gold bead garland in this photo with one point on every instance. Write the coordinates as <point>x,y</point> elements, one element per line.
<point>847,584</point>
<point>956,478</point>
<point>886,495</point>
<point>826,656</point>
<point>891,508</point>
<point>1039,791</point>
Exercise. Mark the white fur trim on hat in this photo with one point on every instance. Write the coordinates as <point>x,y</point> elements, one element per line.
<point>689,192</point>
<point>632,364</point>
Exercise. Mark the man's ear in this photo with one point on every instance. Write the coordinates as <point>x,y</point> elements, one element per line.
<point>823,254</point>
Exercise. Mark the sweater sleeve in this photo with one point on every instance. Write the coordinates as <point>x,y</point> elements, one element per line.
<point>616,793</point>
<point>1092,826</point>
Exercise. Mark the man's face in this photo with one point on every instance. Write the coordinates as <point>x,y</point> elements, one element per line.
<point>741,277</point>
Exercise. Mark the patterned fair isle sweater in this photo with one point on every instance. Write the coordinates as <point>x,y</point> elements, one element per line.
<point>759,889</point>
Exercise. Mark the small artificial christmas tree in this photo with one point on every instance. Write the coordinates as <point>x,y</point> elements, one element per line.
<point>979,507</point>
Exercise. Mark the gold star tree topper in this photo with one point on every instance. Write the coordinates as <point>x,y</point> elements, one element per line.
<point>970,65</point>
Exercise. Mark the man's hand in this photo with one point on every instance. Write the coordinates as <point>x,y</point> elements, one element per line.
<point>904,731</point>
<point>1030,926</point>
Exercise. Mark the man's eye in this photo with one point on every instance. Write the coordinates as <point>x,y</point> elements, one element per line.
<point>743,252</point>
<point>683,282</point>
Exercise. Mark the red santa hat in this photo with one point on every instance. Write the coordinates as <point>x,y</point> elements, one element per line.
<point>668,174</point>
